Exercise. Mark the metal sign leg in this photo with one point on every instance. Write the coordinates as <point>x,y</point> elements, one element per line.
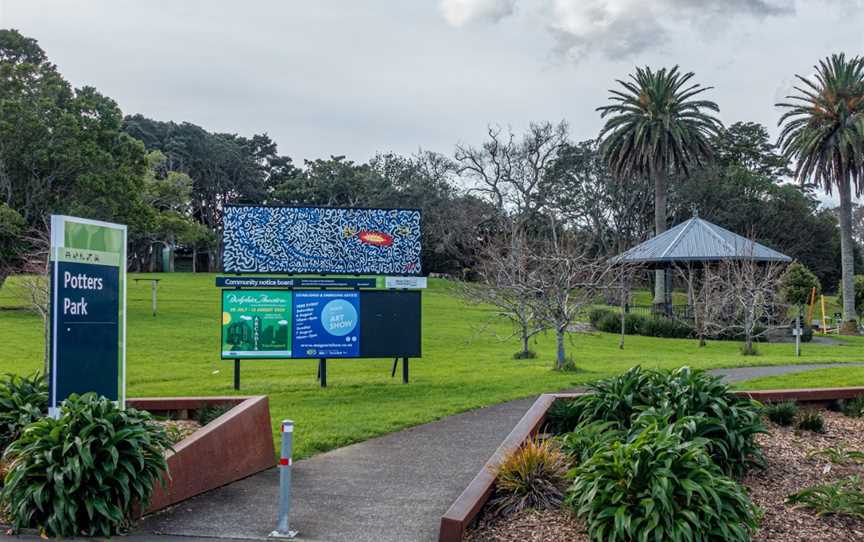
<point>404,370</point>
<point>322,371</point>
<point>237,374</point>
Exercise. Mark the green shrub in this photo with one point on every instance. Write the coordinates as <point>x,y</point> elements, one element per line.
<point>596,315</point>
<point>843,497</point>
<point>658,486</point>
<point>811,420</point>
<point>82,474</point>
<point>525,354</point>
<point>738,335</point>
<point>782,413</point>
<point>23,400</point>
<point>633,324</point>
<point>666,328</point>
<point>806,334</point>
<point>586,438</point>
<point>531,476</point>
<point>209,413</point>
<point>730,423</point>
<point>853,408</point>
<point>610,323</point>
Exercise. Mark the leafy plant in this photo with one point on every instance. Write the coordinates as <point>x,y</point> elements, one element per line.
<point>659,486</point>
<point>854,408</point>
<point>616,399</point>
<point>23,400</point>
<point>839,455</point>
<point>82,474</point>
<point>209,413</point>
<point>782,413</point>
<point>563,416</point>
<point>588,437</point>
<point>811,420</point>
<point>531,476</point>
<point>730,423</point>
<point>843,497</point>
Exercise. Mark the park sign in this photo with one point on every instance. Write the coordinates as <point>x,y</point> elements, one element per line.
<point>88,310</point>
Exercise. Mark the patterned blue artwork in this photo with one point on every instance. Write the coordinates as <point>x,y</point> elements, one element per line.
<point>321,240</point>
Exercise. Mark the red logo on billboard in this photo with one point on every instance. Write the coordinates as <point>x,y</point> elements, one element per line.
<point>376,238</point>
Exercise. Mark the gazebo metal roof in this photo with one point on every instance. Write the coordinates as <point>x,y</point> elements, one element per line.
<point>698,240</point>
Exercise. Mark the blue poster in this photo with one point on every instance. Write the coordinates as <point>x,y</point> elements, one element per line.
<point>326,324</point>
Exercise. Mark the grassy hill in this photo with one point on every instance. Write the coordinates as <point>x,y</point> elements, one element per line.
<point>467,362</point>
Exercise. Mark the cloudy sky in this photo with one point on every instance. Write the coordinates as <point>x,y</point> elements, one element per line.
<point>357,77</point>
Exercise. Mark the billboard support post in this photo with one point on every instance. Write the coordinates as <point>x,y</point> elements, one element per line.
<point>322,372</point>
<point>404,370</point>
<point>237,374</point>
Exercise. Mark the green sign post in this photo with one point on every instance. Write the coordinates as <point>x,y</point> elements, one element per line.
<point>88,309</point>
<point>256,324</point>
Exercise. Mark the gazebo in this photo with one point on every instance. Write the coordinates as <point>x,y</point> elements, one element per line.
<point>695,242</point>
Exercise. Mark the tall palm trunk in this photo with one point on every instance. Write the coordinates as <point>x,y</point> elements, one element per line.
<point>659,227</point>
<point>850,323</point>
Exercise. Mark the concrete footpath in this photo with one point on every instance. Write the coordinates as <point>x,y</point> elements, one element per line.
<point>391,488</point>
<point>740,374</point>
<point>388,489</point>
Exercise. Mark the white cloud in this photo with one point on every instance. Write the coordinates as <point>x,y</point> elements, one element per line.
<point>460,12</point>
<point>618,28</point>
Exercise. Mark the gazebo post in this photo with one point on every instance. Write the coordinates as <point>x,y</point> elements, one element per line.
<point>667,283</point>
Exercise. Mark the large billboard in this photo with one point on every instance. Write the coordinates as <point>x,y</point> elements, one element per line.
<point>321,240</point>
<point>88,309</point>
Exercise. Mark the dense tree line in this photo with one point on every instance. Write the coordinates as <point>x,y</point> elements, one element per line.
<point>67,150</point>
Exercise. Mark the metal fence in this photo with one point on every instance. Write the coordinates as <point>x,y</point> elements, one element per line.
<point>678,312</point>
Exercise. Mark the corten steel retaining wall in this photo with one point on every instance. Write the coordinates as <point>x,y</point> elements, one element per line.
<point>465,508</point>
<point>237,444</point>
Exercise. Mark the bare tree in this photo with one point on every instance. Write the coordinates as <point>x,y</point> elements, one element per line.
<point>514,175</point>
<point>34,271</point>
<point>564,281</point>
<point>745,299</point>
<point>503,271</point>
<point>709,304</point>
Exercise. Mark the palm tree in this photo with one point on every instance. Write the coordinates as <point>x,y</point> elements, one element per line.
<point>657,129</point>
<point>824,133</point>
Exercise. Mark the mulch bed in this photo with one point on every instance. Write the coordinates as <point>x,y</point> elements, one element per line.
<point>788,472</point>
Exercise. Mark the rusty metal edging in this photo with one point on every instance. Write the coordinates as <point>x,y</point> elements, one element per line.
<point>465,508</point>
<point>235,445</point>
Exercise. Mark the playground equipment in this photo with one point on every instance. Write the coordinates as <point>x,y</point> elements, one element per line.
<point>826,324</point>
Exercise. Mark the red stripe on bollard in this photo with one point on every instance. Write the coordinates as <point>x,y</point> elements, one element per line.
<point>285,461</point>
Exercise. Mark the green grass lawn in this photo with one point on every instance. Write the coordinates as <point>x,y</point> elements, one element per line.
<point>463,365</point>
<point>836,377</point>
